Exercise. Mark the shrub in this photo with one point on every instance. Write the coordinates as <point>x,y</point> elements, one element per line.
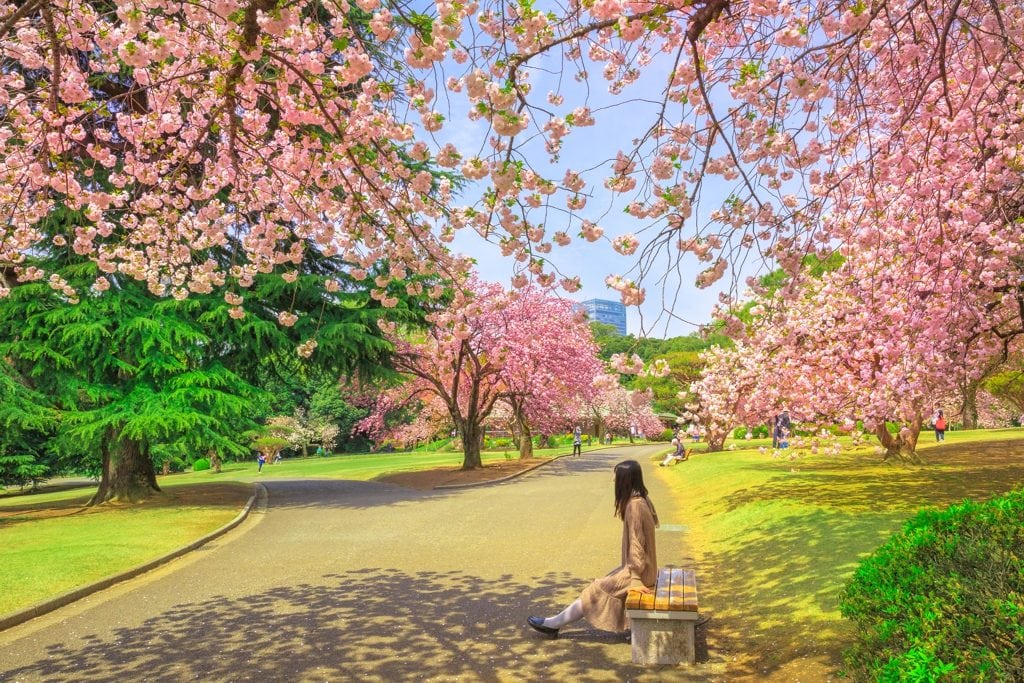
<point>200,465</point>
<point>665,435</point>
<point>944,598</point>
<point>756,432</point>
<point>436,445</point>
<point>175,465</point>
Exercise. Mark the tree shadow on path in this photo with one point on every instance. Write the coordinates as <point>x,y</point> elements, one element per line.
<point>370,624</point>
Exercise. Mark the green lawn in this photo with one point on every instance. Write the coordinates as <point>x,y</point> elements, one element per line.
<point>777,538</point>
<point>49,548</point>
<point>361,467</point>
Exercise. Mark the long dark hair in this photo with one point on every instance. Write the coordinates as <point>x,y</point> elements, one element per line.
<point>629,482</point>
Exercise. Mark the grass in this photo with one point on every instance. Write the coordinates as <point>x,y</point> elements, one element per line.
<point>50,547</point>
<point>776,539</point>
<point>361,467</point>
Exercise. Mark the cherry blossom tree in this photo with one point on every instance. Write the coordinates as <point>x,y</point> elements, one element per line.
<point>172,126</point>
<point>177,128</point>
<point>733,389</point>
<point>404,416</point>
<point>526,348</point>
<point>552,364</point>
<point>617,409</point>
<point>302,431</point>
<point>994,412</point>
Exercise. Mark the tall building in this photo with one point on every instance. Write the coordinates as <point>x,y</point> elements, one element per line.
<point>608,312</point>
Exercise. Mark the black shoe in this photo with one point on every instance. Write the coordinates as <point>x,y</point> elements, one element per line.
<point>538,624</point>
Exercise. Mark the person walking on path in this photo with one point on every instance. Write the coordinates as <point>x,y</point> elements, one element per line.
<point>940,427</point>
<point>603,602</point>
<point>577,441</point>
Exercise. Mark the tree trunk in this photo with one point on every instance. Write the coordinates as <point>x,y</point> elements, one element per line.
<point>215,461</point>
<point>522,426</point>
<point>903,445</point>
<point>598,426</point>
<point>128,473</point>
<point>472,435</point>
<point>716,440</point>
<point>526,442</point>
<point>969,418</point>
<point>890,443</point>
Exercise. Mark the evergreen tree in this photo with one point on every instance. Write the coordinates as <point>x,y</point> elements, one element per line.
<point>25,419</point>
<point>128,371</point>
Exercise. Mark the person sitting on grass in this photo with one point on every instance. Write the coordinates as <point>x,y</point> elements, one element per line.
<point>679,454</point>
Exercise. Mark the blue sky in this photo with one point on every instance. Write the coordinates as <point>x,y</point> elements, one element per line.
<point>674,305</point>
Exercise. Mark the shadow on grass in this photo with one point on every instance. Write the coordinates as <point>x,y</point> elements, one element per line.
<point>975,471</point>
<point>369,624</point>
<point>776,591</point>
<point>219,495</point>
<point>788,546</point>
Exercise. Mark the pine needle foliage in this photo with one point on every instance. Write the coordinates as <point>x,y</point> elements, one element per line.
<point>26,418</point>
<point>111,373</point>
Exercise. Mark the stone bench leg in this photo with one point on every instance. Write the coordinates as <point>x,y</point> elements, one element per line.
<point>663,637</point>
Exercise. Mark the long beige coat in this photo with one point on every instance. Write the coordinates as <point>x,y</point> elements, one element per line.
<point>604,600</point>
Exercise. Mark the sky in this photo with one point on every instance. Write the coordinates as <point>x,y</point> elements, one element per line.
<point>674,305</point>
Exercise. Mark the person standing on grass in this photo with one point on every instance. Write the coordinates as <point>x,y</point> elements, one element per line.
<point>577,441</point>
<point>603,602</point>
<point>783,425</point>
<point>940,427</point>
<point>261,460</point>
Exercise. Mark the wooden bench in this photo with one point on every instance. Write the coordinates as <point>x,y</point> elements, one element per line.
<point>663,622</point>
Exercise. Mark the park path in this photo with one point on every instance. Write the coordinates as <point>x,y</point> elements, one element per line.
<point>344,580</point>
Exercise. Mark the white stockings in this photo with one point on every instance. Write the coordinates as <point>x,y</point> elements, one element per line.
<point>573,612</point>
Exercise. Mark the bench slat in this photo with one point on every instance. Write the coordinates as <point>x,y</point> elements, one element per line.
<point>689,585</point>
<point>676,590</point>
<point>677,598</point>
<point>664,586</point>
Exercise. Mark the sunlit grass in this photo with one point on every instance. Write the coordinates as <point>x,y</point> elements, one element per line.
<point>14,497</point>
<point>48,549</point>
<point>777,538</point>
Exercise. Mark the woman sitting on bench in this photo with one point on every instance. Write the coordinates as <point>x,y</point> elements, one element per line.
<point>603,602</point>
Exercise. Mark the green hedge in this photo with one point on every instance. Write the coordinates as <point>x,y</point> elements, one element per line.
<point>943,600</point>
<point>200,465</point>
<point>757,432</point>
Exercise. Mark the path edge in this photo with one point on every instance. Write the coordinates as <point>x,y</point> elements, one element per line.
<point>520,473</point>
<point>21,616</point>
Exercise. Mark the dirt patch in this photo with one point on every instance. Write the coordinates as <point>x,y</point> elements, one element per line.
<point>425,480</point>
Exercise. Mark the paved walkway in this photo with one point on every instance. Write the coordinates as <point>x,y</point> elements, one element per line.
<point>342,580</point>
